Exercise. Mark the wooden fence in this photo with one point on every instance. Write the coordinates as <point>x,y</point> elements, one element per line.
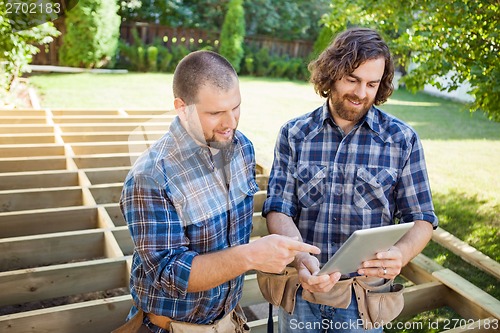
<point>65,249</point>
<point>189,37</point>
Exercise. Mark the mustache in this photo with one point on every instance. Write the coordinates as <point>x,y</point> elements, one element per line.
<point>355,98</point>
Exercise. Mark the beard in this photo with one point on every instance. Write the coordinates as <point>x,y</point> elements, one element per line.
<point>340,106</point>
<point>214,143</point>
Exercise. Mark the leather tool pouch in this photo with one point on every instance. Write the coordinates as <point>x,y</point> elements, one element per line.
<point>379,300</point>
<point>280,289</point>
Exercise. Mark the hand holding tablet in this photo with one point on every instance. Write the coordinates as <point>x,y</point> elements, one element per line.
<point>363,245</point>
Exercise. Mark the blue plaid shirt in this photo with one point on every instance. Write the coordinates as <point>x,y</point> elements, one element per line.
<point>332,184</point>
<point>177,205</point>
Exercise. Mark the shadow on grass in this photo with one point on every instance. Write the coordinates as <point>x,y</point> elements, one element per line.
<point>436,118</point>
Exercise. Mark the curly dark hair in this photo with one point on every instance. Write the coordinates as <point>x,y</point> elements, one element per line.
<point>347,52</point>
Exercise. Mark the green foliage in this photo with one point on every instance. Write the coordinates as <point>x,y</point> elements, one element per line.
<point>233,34</point>
<point>152,57</point>
<point>91,39</point>
<point>324,39</point>
<point>290,20</point>
<point>204,14</point>
<point>17,49</point>
<point>458,39</point>
<point>262,63</point>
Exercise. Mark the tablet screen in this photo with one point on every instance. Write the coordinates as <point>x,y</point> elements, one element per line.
<point>363,245</point>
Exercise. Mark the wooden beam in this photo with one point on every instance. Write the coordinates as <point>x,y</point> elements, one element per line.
<point>22,164</point>
<point>26,199</point>
<point>26,128</point>
<point>43,179</point>
<point>106,193</point>
<point>83,112</point>
<point>259,227</point>
<point>115,214</point>
<point>419,270</point>
<point>251,291</point>
<point>258,200</point>
<point>105,161</point>
<point>122,236</point>
<point>51,249</point>
<point>25,112</point>
<point>123,147</point>
<point>39,222</point>
<point>75,128</point>
<point>150,136</point>
<point>32,138</point>
<point>468,300</point>
<point>102,315</point>
<point>167,113</point>
<point>262,181</point>
<point>36,284</point>
<point>107,176</point>
<point>31,150</point>
<point>108,119</point>
<point>16,120</point>
<point>466,252</point>
<point>423,297</point>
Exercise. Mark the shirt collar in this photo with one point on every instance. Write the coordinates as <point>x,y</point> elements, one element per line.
<point>369,119</point>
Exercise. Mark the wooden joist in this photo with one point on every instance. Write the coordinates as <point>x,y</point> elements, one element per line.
<point>466,252</point>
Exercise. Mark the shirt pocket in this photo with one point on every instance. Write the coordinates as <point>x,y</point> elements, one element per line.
<point>310,179</point>
<point>371,187</point>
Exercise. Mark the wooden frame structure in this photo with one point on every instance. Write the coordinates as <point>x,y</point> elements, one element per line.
<point>63,239</point>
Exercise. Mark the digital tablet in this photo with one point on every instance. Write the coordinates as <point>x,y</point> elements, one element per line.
<point>363,245</point>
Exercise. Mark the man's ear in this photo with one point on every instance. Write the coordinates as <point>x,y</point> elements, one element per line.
<point>180,108</point>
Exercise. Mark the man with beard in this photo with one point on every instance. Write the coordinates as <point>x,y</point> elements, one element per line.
<point>343,167</point>
<point>188,204</point>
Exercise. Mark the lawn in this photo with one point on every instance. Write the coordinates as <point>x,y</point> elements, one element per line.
<point>462,149</point>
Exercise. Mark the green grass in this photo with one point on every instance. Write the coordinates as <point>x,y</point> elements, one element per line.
<point>462,149</point>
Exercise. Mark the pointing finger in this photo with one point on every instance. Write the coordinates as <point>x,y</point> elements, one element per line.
<point>303,247</point>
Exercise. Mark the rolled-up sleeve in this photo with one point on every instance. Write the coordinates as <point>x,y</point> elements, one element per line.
<point>158,235</point>
<point>413,193</point>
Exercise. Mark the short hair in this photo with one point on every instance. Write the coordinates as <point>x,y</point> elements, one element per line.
<point>347,52</point>
<point>200,68</point>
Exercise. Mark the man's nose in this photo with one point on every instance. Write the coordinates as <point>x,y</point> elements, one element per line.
<point>361,91</point>
<point>229,120</point>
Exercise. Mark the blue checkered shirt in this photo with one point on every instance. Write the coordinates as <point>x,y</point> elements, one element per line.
<point>332,184</point>
<point>177,205</point>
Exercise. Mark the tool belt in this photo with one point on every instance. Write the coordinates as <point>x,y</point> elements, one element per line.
<point>379,300</point>
<point>234,322</point>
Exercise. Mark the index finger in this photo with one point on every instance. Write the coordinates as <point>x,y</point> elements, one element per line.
<point>303,247</point>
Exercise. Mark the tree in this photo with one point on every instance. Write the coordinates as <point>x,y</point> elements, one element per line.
<point>454,38</point>
<point>233,34</point>
<point>91,39</point>
<point>289,20</point>
<point>18,47</point>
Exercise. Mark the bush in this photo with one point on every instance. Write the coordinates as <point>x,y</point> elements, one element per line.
<point>17,50</point>
<point>152,58</point>
<point>262,62</point>
<point>91,39</point>
<point>233,34</point>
